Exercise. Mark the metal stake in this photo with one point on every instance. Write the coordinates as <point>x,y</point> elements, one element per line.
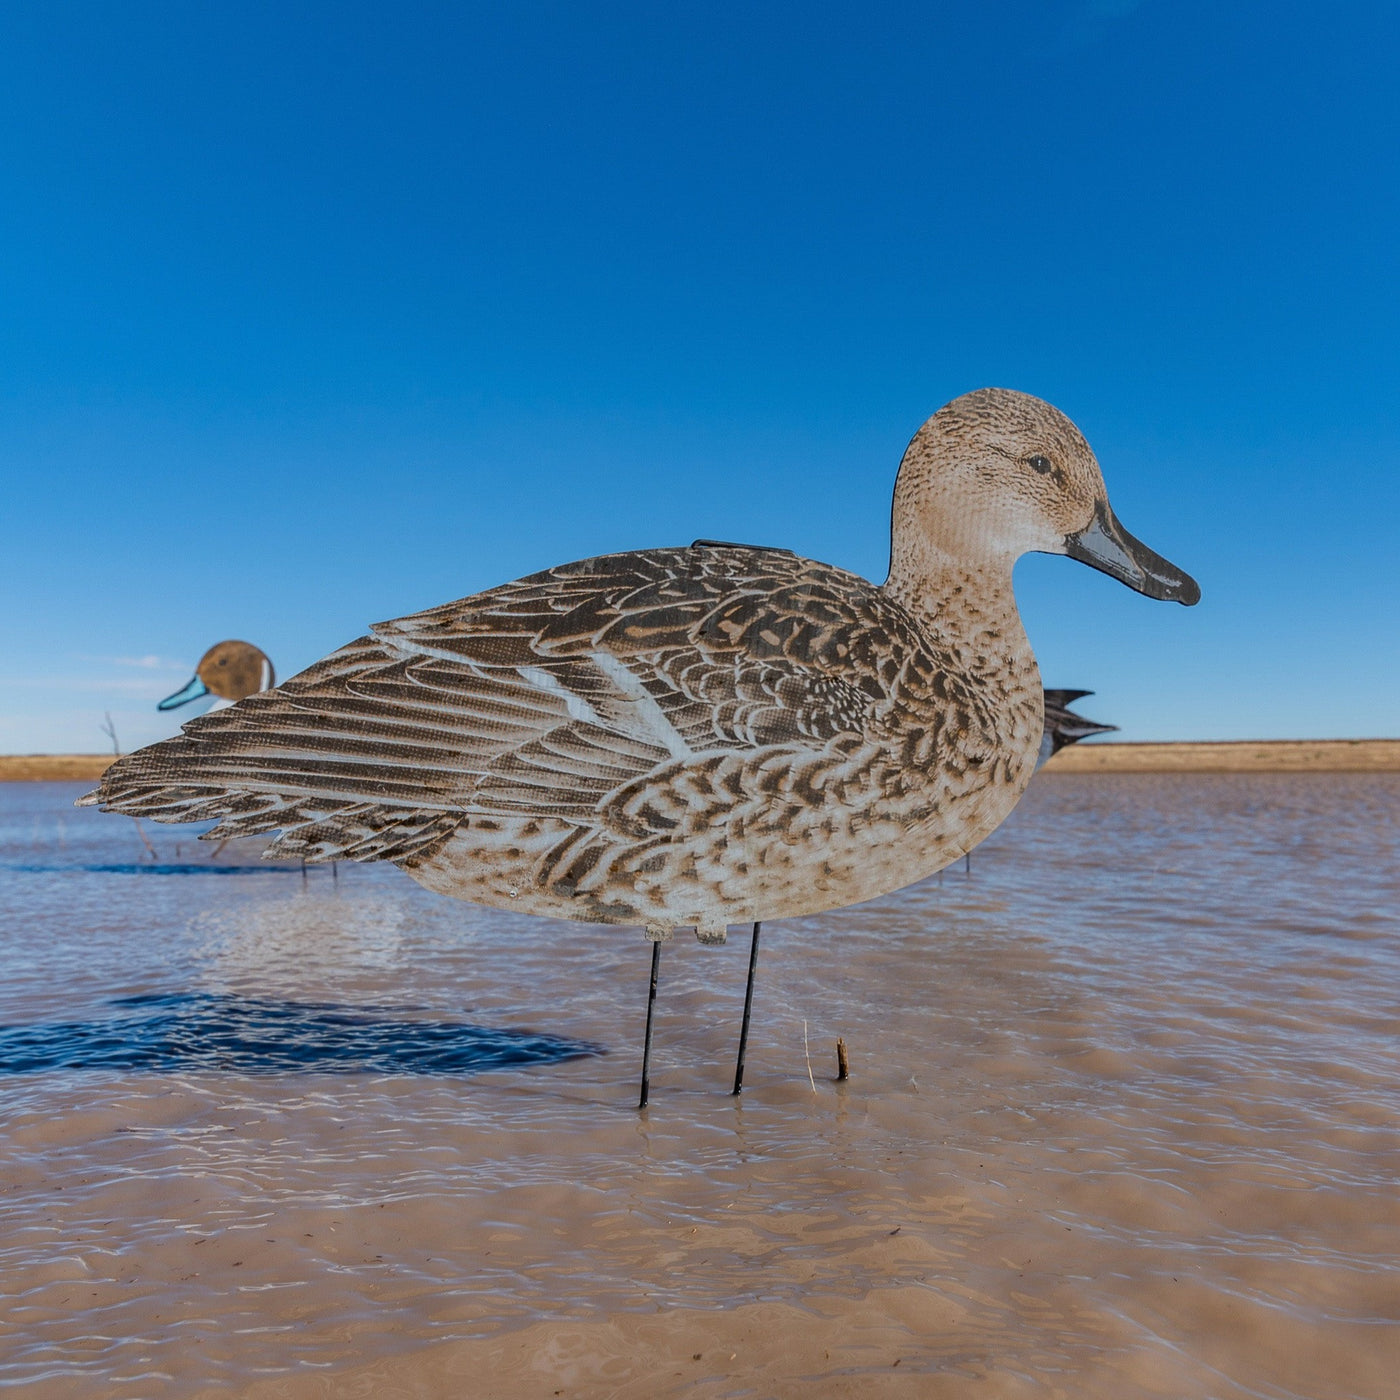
<point>651,1008</point>
<point>748,1008</point>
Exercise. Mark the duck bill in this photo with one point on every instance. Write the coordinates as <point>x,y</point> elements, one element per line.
<point>1105,544</point>
<point>192,691</point>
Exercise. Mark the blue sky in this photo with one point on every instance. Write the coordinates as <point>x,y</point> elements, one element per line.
<point>315,315</point>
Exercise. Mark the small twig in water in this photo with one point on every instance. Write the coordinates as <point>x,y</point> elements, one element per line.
<point>808,1054</point>
<point>110,730</point>
<point>136,822</point>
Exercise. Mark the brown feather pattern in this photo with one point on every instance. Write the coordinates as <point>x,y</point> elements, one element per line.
<point>701,735</point>
<point>571,732</point>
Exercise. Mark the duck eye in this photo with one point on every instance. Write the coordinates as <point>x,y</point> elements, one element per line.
<point>1041,464</point>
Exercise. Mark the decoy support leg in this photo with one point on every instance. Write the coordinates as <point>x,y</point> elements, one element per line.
<point>748,1011</point>
<point>651,1010</point>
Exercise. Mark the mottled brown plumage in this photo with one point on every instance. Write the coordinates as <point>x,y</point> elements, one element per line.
<point>682,736</point>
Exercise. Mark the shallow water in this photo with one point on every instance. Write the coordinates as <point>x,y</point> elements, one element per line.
<point>1123,1120</point>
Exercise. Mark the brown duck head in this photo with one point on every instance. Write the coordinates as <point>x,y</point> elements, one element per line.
<point>231,670</point>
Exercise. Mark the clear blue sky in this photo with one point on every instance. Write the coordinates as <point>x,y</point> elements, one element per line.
<point>319,314</point>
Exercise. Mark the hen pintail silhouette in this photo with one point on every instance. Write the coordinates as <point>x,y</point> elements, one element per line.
<point>685,736</point>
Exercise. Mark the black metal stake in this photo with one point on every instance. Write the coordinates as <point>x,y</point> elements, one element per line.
<point>651,1009</point>
<point>748,1009</point>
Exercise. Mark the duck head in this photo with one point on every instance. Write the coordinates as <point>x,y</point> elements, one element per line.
<point>996,474</point>
<point>230,670</point>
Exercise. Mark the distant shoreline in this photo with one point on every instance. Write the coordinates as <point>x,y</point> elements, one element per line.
<point>53,767</point>
<point>1233,756</point>
<point>1225,756</point>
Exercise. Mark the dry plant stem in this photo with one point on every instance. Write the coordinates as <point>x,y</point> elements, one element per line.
<point>110,730</point>
<point>808,1054</point>
<point>135,821</point>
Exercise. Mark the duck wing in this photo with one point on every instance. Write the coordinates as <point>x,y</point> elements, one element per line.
<point>545,697</point>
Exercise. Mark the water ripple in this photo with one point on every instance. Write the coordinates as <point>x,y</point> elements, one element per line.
<point>1123,1121</point>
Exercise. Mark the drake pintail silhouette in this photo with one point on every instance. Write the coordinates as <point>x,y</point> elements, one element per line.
<point>1063,727</point>
<point>230,670</point>
<point>685,737</point>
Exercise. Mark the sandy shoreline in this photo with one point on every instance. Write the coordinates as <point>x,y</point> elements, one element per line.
<point>1230,756</point>
<point>1233,756</point>
<point>53,767</point>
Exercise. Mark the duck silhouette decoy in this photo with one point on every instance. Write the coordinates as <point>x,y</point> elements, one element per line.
<point>1063,727</point>
<point>686,736</point>
<point>230,670</point>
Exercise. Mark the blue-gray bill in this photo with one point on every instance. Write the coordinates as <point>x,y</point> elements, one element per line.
<point>1106,545</point>
<point>193,691</point>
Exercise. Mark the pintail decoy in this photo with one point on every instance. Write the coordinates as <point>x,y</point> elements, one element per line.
<point>687,736</point>
<point>229,670</point>
<point>1063,727</point>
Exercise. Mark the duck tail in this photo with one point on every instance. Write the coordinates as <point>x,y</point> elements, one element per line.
<point>1063,727</point>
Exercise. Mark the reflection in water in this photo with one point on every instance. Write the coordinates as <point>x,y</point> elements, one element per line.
<point>187,1032</point>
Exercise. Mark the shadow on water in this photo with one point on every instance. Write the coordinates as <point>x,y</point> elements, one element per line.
<point>197,1031</point>
<point>155,868</point>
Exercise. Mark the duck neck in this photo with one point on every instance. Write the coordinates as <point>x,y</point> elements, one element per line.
<point>968,611</point>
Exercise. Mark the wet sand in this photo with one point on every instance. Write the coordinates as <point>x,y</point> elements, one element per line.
<point>1123,1121</point>
<point>1242,756</point>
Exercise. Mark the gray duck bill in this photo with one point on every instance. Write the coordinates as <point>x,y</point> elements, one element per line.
<point>1106,545</point>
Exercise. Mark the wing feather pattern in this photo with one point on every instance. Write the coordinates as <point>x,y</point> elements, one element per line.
<point>553,696</point>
